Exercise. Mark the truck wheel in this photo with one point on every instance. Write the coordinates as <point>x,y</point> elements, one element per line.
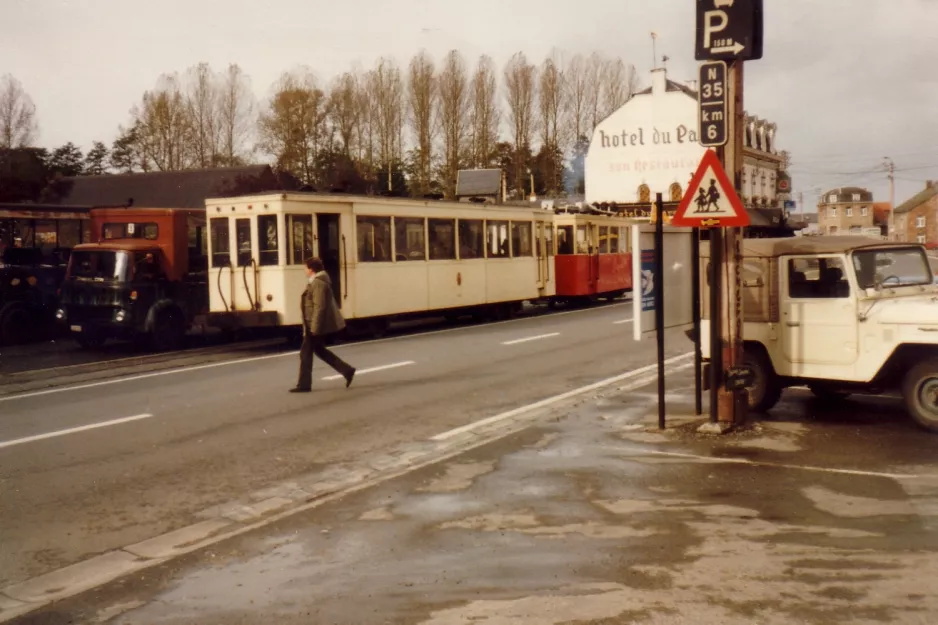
<point>169,331</point>
<point>920,392</point>
<point>16,325</point>
<point>826,393</point>
<point>765,390</point>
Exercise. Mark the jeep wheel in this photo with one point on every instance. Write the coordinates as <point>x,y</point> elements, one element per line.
<point>920,392</point>
<point>765,390</point>
<point>826,393</point>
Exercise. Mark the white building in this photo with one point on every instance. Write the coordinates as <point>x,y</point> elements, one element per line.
<point>650,145</point>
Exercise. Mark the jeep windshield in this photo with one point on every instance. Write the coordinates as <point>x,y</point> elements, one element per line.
<point>892,267</point>
<point>100,265</point>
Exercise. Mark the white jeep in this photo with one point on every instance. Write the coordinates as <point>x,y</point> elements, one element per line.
<point>839,314</point>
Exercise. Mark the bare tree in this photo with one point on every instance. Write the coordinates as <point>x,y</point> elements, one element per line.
<point>422,94</point>
<point>553,130</point>
<point>576,86</point>
<point>293,127</point>
<point>520,86</point>
<point>344,111</point>
<point>386,91</point>
<point>485,112</point>
<point>202,106</point>
<point>594,87</point>
<point>236,109</point>
<point>454,113</point>
<point>619,82</point>
<point>18,127</point>
<point>164,127</point>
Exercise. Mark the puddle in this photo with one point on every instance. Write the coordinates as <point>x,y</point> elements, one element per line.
<point>459,476</point>
<point>852,506</point>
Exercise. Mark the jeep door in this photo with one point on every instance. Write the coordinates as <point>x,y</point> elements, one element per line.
<point>818,315</point>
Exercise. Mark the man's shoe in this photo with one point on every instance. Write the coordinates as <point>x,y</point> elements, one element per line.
<point>299,389</point>
<point>348,379</point>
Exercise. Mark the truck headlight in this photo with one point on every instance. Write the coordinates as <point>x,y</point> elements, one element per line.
<point>60,314</point>
<point>120,315</point>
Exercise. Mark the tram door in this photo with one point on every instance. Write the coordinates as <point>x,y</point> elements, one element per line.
<point>327,226</point>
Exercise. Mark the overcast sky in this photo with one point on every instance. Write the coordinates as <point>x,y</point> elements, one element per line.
<point>847,81</point>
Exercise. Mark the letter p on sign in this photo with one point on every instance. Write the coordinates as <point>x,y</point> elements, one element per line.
<point>714,23</point>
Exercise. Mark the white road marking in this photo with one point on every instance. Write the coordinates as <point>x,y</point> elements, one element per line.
<point>226,363</point>
<point>531,338</point>
<point>774,465</point>
<point>83,428</point>
<point>562,396</point>
<point>373,369</point>
<point>621,321</point>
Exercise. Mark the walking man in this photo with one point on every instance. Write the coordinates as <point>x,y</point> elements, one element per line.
<point>321,317</point>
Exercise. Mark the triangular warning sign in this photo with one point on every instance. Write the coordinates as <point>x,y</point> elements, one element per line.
<point>710,201</point>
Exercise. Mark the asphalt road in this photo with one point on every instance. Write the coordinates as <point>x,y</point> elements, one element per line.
<point>816,514</point>
<point>73,484</point>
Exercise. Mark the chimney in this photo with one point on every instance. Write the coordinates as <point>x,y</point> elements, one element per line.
<point>659,81</point>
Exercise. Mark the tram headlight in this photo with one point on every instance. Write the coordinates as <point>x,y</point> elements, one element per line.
<point>60,314</point>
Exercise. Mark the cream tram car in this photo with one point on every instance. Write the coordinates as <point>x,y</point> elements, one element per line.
<point>387,258</point>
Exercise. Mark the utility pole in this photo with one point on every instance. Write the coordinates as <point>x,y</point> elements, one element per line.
<point>891,170</point>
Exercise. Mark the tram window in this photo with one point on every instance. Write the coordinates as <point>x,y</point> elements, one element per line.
<point>243,239</point>
<point>549,235</point>
<point>221,242</point>
<point>409,239</point>
<point>614,240</point>
<point>521,238</point>
<point>471,239</point>
<point>69,233</point>
<point>603,240</point>
<point>374,239</point>
<point>564,240</point>
<point>267,240</point>
<point>300,239</point>
<point>497,239</point>
<point>442,239</point>
<point>24,233</point>
<point>582,241</point>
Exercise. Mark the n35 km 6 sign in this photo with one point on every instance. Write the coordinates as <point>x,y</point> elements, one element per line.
<point>712,104</point>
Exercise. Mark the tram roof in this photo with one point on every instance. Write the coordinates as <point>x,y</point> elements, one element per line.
<point>331,198</point>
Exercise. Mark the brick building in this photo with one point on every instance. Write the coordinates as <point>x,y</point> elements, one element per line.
<point>848,210</point>
<point>917,217</point>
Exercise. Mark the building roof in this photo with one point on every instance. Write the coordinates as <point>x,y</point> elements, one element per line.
<point>670,85</point>
<point>170,189</point>
<point>845,194</point>
<point>918,199</point>
<point>475,182</point>
<point>808,245</point>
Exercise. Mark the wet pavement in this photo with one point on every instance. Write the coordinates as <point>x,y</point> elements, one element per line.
<point>817,514</point>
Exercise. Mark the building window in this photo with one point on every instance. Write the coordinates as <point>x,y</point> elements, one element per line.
<point>676,192</point>
<point>864,211</point>
<point>920,222</point>
<point>920,238</point>
<point>856,229</point>
<point>856,197</point>
<point>848,212</point>
<point>832,211</point>
<point>644,194</point>
<point>832,199</point>
<point>832,230</point>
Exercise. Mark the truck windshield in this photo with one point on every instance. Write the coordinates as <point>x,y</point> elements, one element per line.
<point>901,266</point>
<point>100,265</point>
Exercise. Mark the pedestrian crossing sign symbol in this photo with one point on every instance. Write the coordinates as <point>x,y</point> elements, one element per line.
<point>710,201</point>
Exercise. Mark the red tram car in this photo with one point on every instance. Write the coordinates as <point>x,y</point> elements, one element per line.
<point>593,258</point>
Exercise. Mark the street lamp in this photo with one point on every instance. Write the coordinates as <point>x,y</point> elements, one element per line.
<point>531,174</point>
